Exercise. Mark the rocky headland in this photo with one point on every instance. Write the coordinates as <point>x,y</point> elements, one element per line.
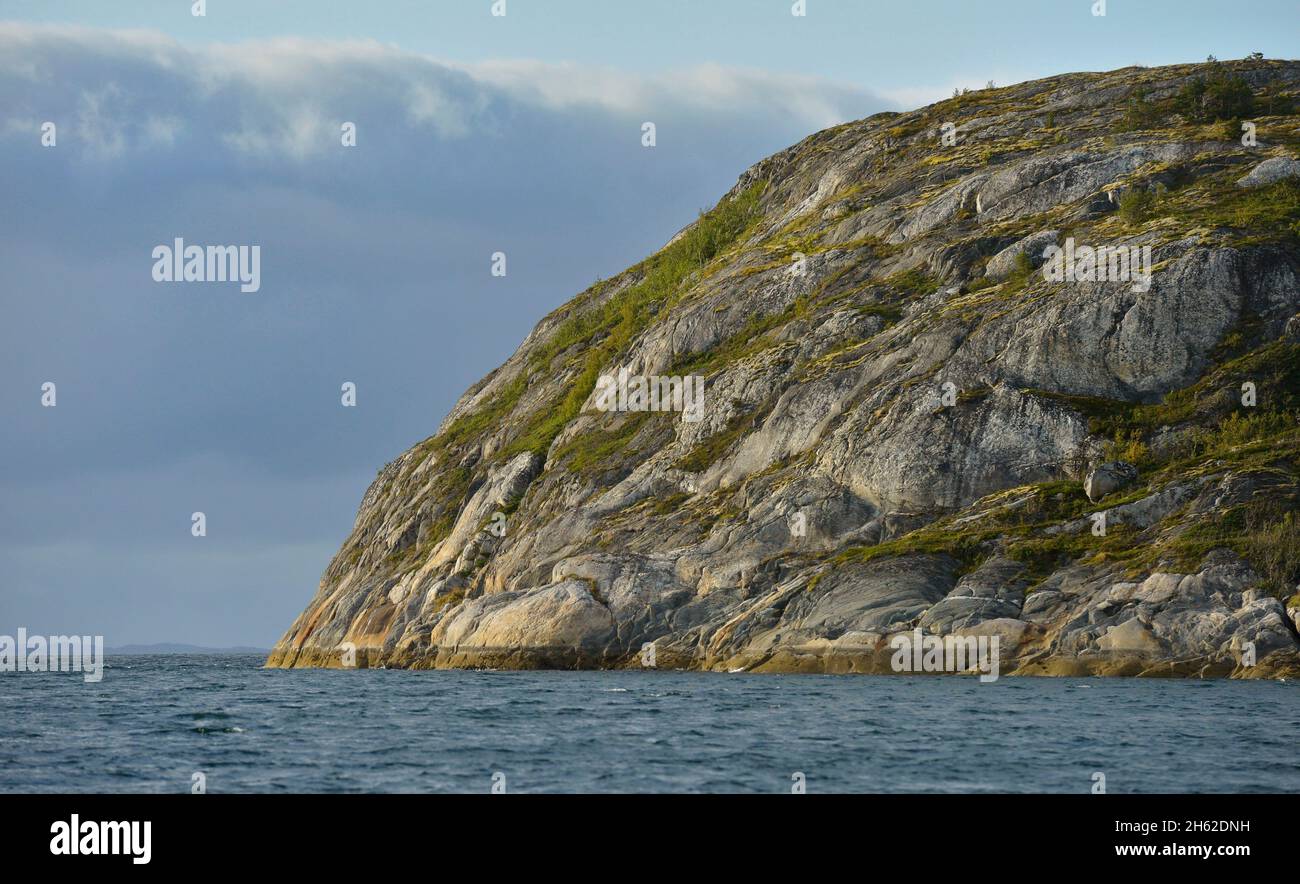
<point>1024,363</point>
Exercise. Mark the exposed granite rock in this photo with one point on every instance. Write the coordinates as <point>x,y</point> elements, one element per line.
<point>895,427</point>
<point>1107,478</point>
<point>1271,170</point>
<point>1004,262</point>
<point>994,591</point>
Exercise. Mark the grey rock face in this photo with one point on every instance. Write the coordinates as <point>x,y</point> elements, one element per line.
<point>1104,340</point>
<point>880,596</point>
<point>1042,183</point>
<point>995,590</point>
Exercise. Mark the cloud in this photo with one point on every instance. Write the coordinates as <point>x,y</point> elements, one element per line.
<point>809,101</point>
<point>174,398</point>
<point>288,97</point>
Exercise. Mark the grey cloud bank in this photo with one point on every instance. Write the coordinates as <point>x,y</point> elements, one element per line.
<point>374,269</point>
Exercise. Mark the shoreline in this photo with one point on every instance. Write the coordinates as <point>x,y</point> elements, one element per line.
<point>1279,666</point>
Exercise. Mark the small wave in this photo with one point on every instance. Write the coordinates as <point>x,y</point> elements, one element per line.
<point>217,730</point>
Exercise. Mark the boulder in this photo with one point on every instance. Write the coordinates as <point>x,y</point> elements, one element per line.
<point>1108,477</point>
<point>1130,636</point>
<point>1270,171</point>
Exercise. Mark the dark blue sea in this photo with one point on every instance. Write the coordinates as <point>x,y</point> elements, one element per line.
<point>153,722</point>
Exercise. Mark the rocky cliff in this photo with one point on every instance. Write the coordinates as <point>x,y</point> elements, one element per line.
<point>920,336</point>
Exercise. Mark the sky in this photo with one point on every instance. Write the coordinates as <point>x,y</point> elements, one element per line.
<point>474,134</point>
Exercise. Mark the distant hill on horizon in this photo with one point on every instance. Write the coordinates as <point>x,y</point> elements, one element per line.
<point>167,648</point>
